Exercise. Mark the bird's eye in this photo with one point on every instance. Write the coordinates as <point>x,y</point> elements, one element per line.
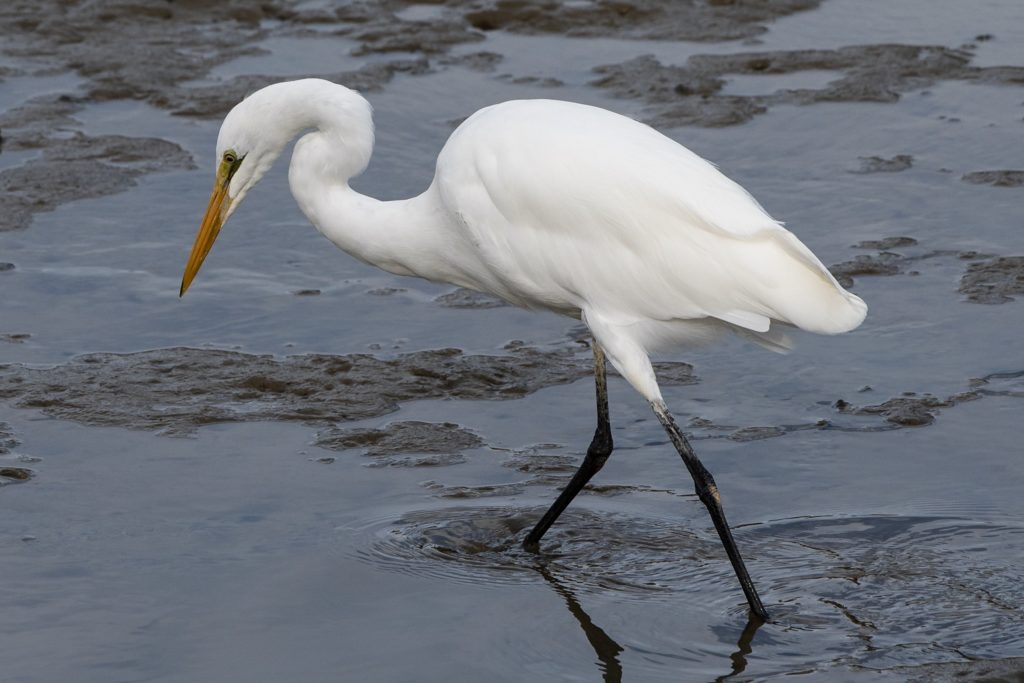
<point>229,157</point>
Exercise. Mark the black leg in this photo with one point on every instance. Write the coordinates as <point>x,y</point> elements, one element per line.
<point>704,484</point>
<point>597,454</point>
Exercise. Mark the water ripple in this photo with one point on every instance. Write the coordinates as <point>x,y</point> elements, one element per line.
<point>903,589</point>
<point>481,545</point>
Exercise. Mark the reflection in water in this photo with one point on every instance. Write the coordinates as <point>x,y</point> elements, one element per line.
<point>607,649</point>
<point>818,567</point>
<point>743,648</point>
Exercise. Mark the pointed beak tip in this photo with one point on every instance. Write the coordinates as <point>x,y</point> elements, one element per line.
<point>216,213</point>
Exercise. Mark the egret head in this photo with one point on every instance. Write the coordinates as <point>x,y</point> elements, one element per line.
<point>243,157</point>
<point>257,130</point>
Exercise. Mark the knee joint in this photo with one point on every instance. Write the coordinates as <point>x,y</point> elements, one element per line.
<point>709,494</point>
<point>600,447</point>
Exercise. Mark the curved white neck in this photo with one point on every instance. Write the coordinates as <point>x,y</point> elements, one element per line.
<point>400,236</point>
<point>403,237</point>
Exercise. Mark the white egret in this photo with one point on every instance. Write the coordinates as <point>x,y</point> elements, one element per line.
<point>558,206</point>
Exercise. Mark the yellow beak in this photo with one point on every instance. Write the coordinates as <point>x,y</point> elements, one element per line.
<point>208,231</point>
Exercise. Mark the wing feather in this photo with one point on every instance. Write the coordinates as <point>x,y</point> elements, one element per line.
<point>571,206</point>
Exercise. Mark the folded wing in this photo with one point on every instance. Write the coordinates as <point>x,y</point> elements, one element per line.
<point>570,205</point>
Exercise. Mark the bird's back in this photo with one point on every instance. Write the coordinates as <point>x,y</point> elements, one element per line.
<point>571,207</point>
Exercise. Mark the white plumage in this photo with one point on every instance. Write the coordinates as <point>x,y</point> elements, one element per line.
<point>548,205</point>
<point>575,208</point>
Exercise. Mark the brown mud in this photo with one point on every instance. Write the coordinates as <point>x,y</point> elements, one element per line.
<point>179,389</point>
<point>7,440</point>
<point>906,410</point>
<point>1000,384</point>
<point>123,51</point>
<point>9,472</point>
<point>131,50</point>
<point>875,164</point>
<point>468,298</point>
<point>444,441</point>
<point>994,281</point>
<point>691,95</point>
<point>995,178</point>
<point>175,391</point>
<point>214,101</point>
<point>888,262</point>
<point>911,411</point>
<point>647,19</point>
<point>71,166</point>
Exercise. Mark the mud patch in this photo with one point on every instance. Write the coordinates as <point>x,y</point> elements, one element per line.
<point>882,263</point>
<point>887,243</point>
<point>756,433</point>
<point>133,50</point>
<point>470,492</point>
<point>546,82</point>
<point>1000,384</point>
<point>444,441</point>
<point>147,52</point>
<point>995,178</point>
<point>994,281</point>
<point>71,166</point>
<point>468,298</point>
<point>691,94</point>
<point>177,390</point>
<point>426,37</point>
<point>646,19</point>
<point>535,463</point>
<point>7,440</point>
<point>215,101</point>
<point>700,428</point>
<point>478,61</point>
<point>888,262</point>
<point>385,291</point>
<point>11,473</point>
<point>15,474</point>
<point>909,410</point>
<point>900,162</point>
<point>885,262</point>
<point>913,410</point>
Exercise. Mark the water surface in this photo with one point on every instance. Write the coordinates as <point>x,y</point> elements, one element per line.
<point>244,551</point>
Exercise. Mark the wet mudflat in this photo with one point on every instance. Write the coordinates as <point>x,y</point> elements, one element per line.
<point>309,470</point>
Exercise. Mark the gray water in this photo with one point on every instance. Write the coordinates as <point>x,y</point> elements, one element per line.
<point>886,547</point>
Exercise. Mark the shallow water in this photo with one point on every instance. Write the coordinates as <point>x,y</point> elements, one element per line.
<point>245,551</point>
